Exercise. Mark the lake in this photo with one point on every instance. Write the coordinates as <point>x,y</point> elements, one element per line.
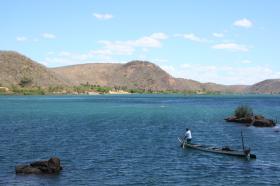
<point>132,140</point>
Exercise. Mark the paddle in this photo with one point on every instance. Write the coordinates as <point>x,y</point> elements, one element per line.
<point>246,151</point>
<point>242,140</point>
<point>182,141</point>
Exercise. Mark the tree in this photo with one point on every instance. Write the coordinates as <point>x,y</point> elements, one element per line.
<point>243,111</point>
<point>25,82</point>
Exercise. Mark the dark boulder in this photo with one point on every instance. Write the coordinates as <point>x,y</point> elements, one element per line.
<point>264,123</point>
<point>27,169</point>
<point>51,166</point>
<point>239,120</point>
<point>258,117</point>
<point>257,121</point>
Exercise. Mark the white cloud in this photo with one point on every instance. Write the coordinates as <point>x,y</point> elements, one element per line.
<point>169,69</point>
<point>245,23</point>
<point>231,46</point>
<point>108,49</point>
<point>114,48</point>
<point>193,37</point>
<point>48,35</point>
<point>128,47</point>
<point>159,60</point>
<point>246,61</point>
<point>102,16</point>
<point>70,58</point>
<point>159,36</point>
<point>63,58</point>
<point>222,74</point>
<point>21,38</point>
<point>218,35</point>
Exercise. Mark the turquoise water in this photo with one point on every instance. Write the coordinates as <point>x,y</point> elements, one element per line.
<point>132,140</point>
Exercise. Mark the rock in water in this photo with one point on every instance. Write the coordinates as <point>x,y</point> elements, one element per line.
<point>257,121</point>
<point>54,164</point>
<point>27,169</point>
<point>51,166</point>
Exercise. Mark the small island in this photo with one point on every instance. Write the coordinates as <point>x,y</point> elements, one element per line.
<point>244,114</point>
<point>51,166</point>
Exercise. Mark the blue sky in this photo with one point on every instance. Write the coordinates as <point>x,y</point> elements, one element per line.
<point>228,42</point>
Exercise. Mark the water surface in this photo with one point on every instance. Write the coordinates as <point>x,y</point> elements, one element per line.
<point>132,140</point>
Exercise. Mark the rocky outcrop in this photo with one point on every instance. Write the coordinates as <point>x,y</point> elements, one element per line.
<point>51,166</point>
<point>257,121</point>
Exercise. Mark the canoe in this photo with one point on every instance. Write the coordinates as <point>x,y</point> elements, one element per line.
<point>224,150</point>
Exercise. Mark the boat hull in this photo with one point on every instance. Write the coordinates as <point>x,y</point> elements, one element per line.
<point>216,150</point>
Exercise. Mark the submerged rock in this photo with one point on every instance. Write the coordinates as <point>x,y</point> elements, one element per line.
<point>257,121</point>
<point>51,166</point>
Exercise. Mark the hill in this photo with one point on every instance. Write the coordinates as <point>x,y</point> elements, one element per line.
<point>270,86</point>
<point>17,69</point>
<point>136,75</point>
<point>132,75</point>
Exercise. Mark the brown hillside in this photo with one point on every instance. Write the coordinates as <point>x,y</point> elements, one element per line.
<point>270,86</point>
<point>144,75</point>
<point>94,74</point>
<point>135,74</point>
<point>15,67</point>
<point>224,88</point>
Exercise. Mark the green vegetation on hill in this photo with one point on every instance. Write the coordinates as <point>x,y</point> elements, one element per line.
<point>86,89</point>
<point>89,88</point>
<point>27,91</point>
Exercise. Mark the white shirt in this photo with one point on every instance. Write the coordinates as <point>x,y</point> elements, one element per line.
<point>188,134</point>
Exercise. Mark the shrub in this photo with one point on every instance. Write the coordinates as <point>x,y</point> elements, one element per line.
<point>243,111</point>
<point>25,82</point>
<point>103,89</point>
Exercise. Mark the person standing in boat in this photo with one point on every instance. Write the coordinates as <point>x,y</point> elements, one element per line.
<point>188,135</point>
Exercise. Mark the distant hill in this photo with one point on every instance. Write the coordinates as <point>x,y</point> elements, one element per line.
<point>136,74</point>
<point>270,86</point>
<point>16,68</point>
<point>213,87</point>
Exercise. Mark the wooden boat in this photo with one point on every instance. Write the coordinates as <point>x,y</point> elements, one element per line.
<point>224,150</point>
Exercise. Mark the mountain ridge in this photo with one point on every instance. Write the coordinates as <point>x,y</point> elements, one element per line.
<point>132,75</point>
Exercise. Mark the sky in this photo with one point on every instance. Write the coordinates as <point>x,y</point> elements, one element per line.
<point>227,42</point>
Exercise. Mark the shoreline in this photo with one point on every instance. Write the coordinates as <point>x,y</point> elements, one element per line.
<point>92,90</point>
<point>102,94</point>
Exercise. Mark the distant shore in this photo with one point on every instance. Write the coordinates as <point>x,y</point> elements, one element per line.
<point>91,90</point>
<point>86,89</point>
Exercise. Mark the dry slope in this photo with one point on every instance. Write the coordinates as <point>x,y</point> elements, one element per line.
<point>135,74</point>
<point>14,67</point>
<point>270,86</point>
